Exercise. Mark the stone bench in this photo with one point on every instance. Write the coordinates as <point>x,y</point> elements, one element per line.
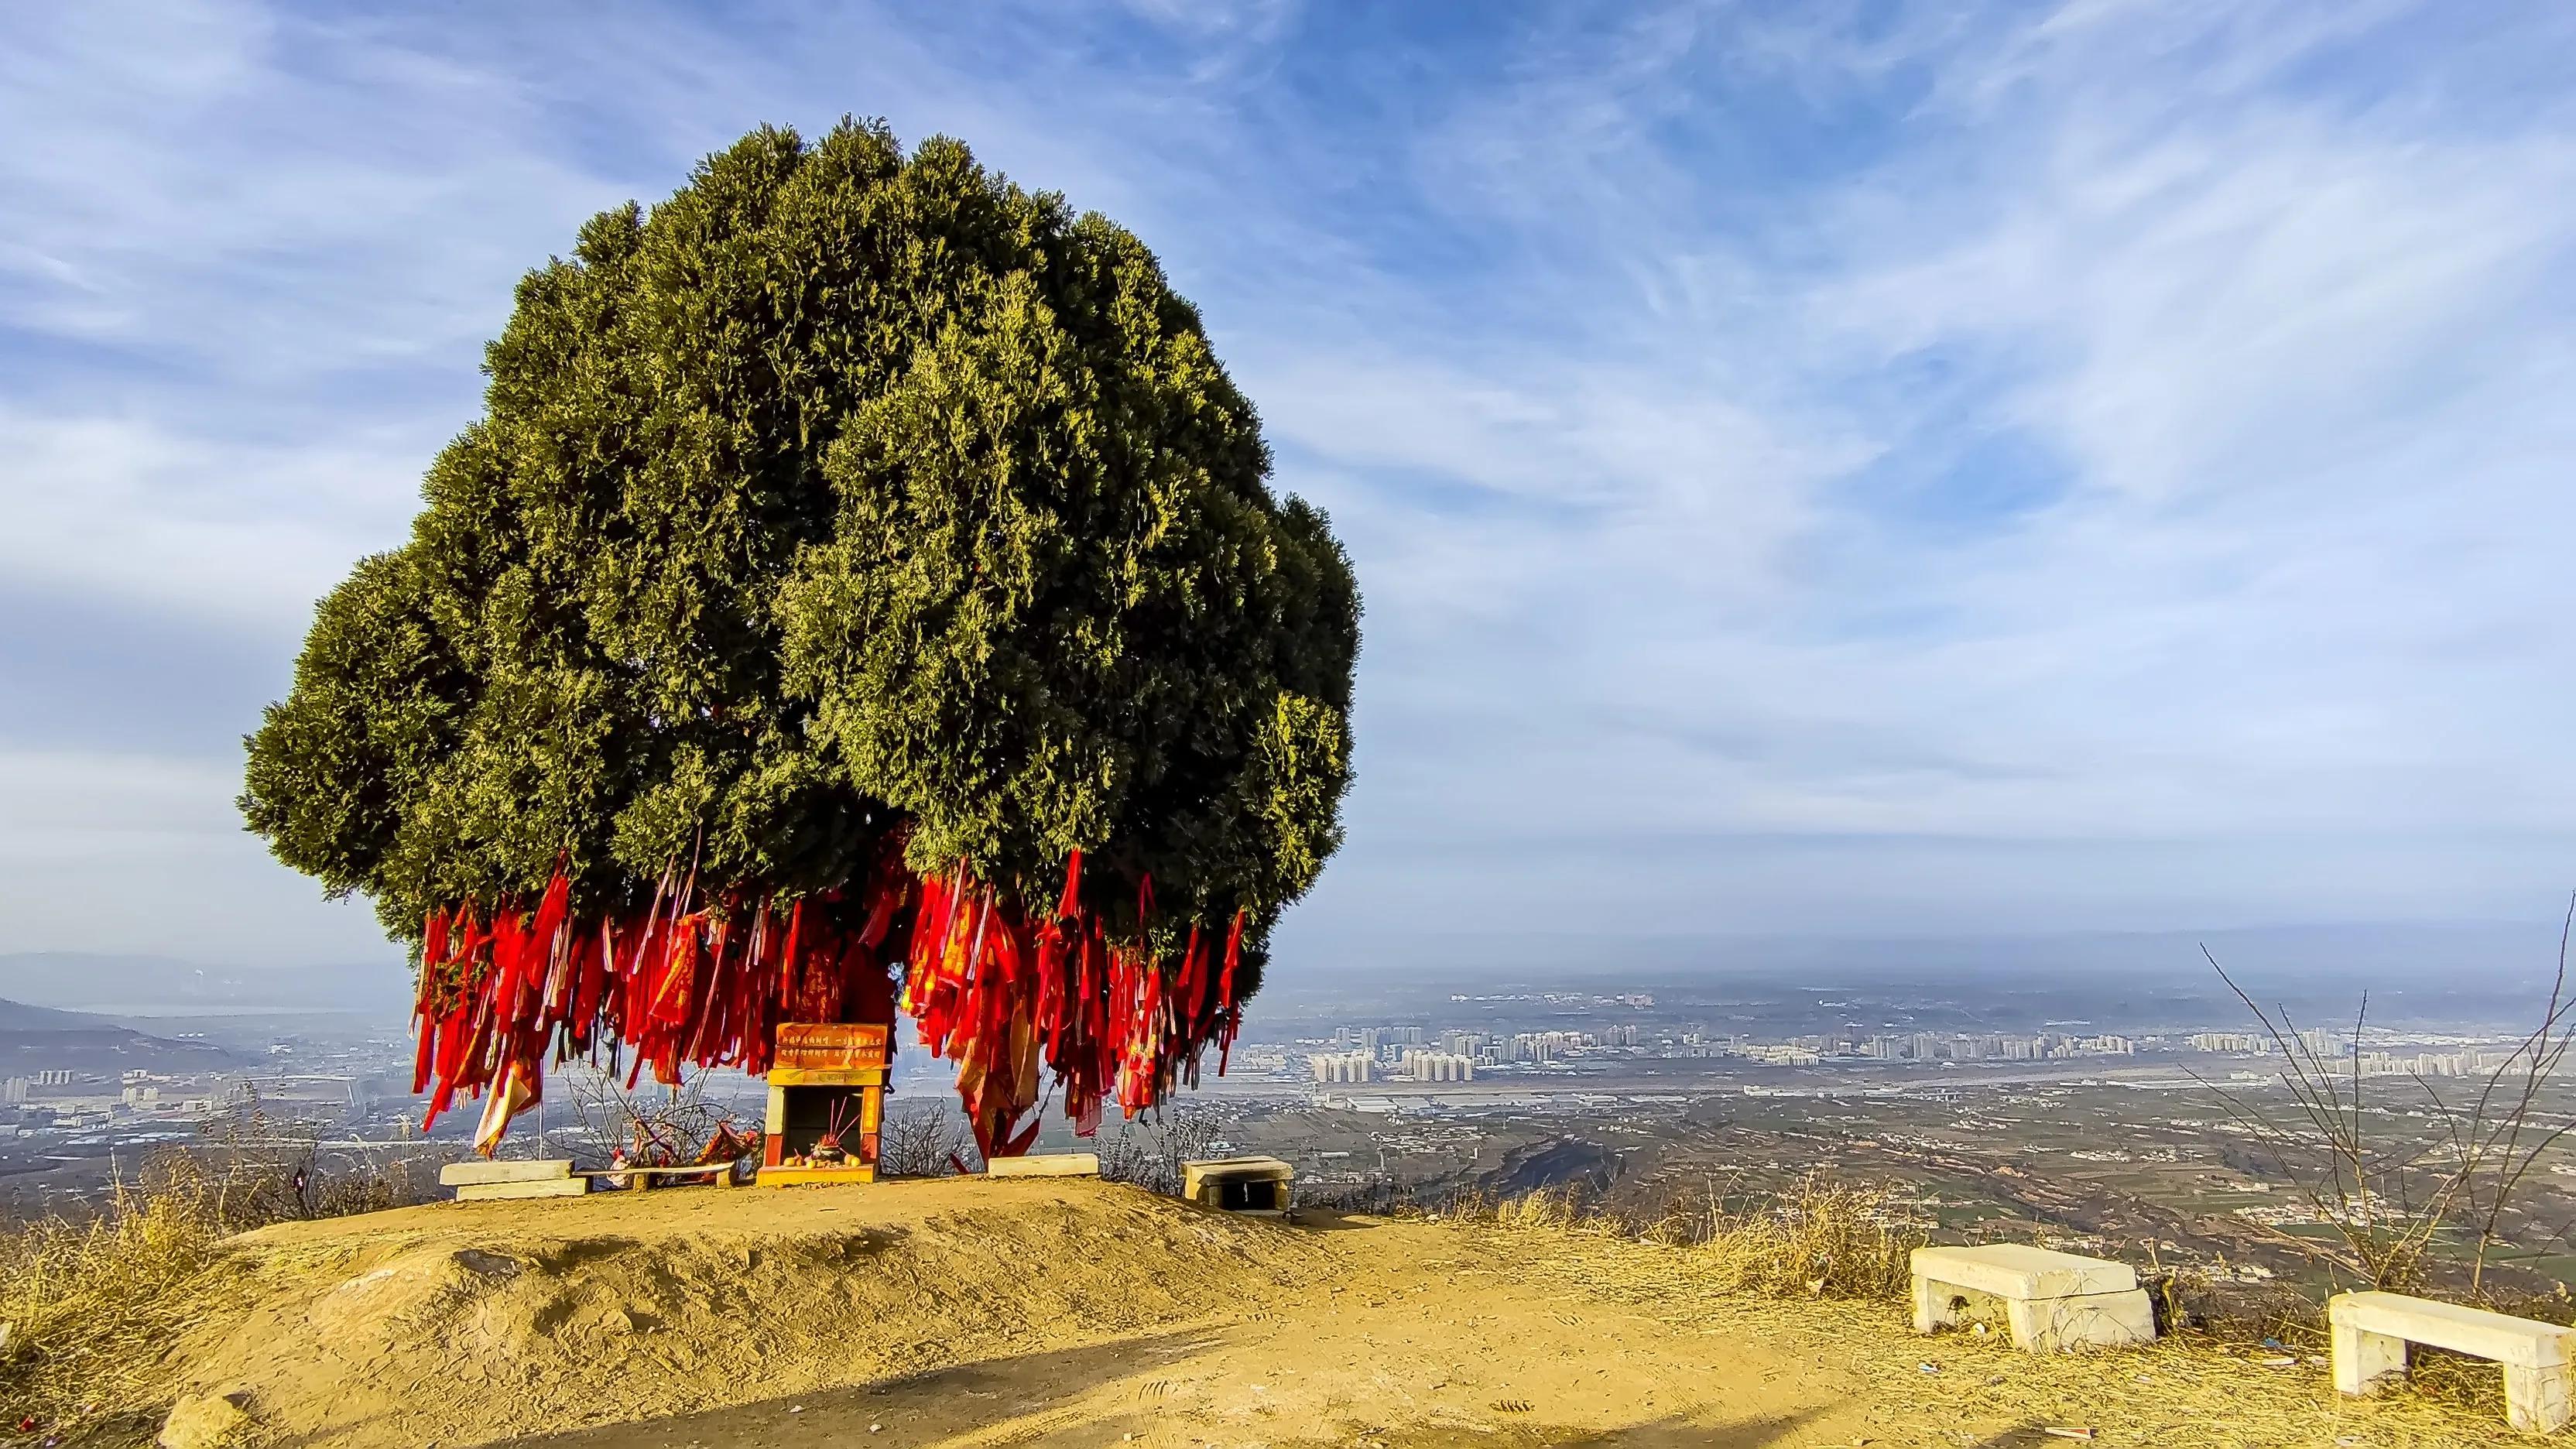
<point>1255,1185</point>
<point>2051,1300</point>
<point>2371,1331</point>
<point>490,1181</point>
<point>1045,1164</point>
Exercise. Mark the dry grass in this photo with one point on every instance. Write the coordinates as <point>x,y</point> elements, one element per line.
<point>1823,1239</point>
<point>1729,1268</point>
<point>94,1308</point>
<point>1956,1388</point>
<point>90,1307</point>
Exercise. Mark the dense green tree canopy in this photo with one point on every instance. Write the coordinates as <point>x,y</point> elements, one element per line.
<point>844,492</point>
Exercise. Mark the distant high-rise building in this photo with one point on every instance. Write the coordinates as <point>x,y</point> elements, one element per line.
<point>1332,1067</point>
<point>2324,1043</point>
<point>1426,1066</point>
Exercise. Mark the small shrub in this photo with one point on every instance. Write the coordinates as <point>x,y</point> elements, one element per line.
<point>1148,1151</point>
<point>925,1141</point>
<point>1824,1239</point>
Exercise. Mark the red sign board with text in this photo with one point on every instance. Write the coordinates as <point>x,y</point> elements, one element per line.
<point>821,1047</point>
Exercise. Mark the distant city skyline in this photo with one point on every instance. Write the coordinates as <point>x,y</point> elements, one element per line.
<point>1813,469</point>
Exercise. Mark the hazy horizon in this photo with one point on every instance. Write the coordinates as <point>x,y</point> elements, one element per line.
<point>1816,472</point>
<point>2492,953</point>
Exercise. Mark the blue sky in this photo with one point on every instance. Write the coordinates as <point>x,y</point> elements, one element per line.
<point>1812,467</point>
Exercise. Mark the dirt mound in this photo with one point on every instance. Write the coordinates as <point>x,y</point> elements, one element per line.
<point>467,1322</point>
<point>973,1312</point>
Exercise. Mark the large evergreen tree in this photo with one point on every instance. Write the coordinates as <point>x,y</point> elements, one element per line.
<point>846,507</point>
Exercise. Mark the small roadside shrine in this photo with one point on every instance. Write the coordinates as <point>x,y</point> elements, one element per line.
<point>827,1086</point>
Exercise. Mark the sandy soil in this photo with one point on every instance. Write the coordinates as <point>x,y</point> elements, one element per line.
<point>973,1312</point>
<point>958,1312</point>
<point>1432,1351</point>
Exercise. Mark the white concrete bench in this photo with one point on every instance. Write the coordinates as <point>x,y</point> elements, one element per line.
<point>1045,1164</point>
<point>2371,1331</point>
<point>2051,1300</point>
<point>485,1181</point>
<point>1257,1186</point>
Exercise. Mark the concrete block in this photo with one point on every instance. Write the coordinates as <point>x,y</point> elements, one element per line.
<point>459,1174</point>
<point>2536,1399</point>
<point>2364,1361</point>
<point>1046,1164</point>
<point>2083,1320</point>
<point>538,1187</point>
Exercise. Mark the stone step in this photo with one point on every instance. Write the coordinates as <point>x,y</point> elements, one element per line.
<point>459,1174</point>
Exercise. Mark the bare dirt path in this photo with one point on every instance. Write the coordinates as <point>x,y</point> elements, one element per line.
<point>1415,1338</point>
<point>960,1313</point>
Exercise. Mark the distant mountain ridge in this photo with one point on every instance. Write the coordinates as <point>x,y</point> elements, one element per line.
<point>39,1038</point>
<point>2426,972</point>
<point>19,1016</point>
<point>2499,951</point>
<point>119,985</point>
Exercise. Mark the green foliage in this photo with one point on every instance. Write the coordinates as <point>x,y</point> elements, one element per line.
<point>845,490</point>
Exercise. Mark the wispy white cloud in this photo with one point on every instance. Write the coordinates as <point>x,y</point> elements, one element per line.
<point>1850,466</point>
<point>2294,358</point>
<point>213,183</point>
<point>252,533</point>
<point>142,853</point>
